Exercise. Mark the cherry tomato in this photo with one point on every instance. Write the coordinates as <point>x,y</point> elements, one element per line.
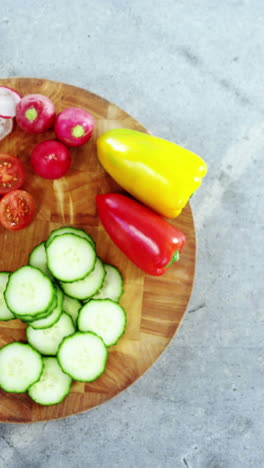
<point>51,159</point>
<point>12,173</point>
<point>16,210</point>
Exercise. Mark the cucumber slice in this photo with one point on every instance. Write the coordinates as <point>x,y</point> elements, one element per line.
<point>20,367</point>
<point>71,307</point>
<point>83,356</point>
<point>54,385</point>
<point>104,317</point>
<point>5,313</point>
<point>47,322</point>
<point>29,292</point>
<point>113,285</point>
<point>87,286</point>
<point>70,257</point>
<point>48,340</point>
<point>28,318</point>
<point>70,230</point>
<point>38,259</point>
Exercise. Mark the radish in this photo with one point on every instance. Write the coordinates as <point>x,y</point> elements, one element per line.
<point>50,159</point>
<point>74,126</point>
<point>9,98</point>
<point>6,127</point>
<point>35,113</point>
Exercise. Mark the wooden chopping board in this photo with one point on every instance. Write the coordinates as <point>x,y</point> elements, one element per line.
<point>155,305</point>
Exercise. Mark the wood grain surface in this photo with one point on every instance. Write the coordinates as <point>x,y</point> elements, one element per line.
<point>155,305</point>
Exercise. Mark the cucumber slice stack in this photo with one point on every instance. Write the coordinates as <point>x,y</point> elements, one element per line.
<point>69,299</point>
<point>70,257</point>
<point>29,292</point>
<point>88,286</point>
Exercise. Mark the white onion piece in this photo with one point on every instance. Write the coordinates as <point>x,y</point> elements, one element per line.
<point>9,99</point>
<point>6,127</point>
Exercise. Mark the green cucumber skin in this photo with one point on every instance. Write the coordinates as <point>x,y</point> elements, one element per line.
<point>125,324</point>
<point>47,326</point>
<point>57,402</point>
<point>41,358</point>
<point>122,280</point>
<point>11,318</point>
<point>105,363</point>
<point>48,241</point>
<point>81,300</point>
<point>64,288</point>
<point>79,305</point>
<point>49,354</point>
<point>28,318</point>
<point>56,318</point>
<point>45,276</point>
<point>76,279</point>
<point>48,273</point>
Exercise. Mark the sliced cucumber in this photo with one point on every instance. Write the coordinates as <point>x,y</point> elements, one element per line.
<point>38,259</point>
<point>83,356</point>
<point>113,285</point>
<point>28,318</point>
<point>48,340</point>
<point>71,307</point>
<point>5,313</point>
<point>70,257</point>
<point>87,286</point>
<point>20,367</point>
<point>70,230</point>
<point>29,292</point>
<point>49,321</point>
<point>104,317</point>
<point>54,385</point>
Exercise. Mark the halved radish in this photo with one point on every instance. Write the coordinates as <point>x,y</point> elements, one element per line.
<point>9,98</point>
<point>6,127</point>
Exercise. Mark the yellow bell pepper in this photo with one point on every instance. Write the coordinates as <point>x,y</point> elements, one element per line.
<point>157,172</point>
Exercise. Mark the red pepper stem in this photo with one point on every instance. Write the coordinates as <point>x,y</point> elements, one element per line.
<point>175,258</point>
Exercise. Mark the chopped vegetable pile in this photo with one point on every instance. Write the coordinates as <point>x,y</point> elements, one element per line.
<point>50,159</point>
<point>70,324</point>
<point>67,296</point>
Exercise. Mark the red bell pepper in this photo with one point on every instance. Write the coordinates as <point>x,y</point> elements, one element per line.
<point>148,240</point>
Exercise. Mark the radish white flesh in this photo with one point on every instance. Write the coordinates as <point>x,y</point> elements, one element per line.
<point>9,99</point>
<point>6,127</point>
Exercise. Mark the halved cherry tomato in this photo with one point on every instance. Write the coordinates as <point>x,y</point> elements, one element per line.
<point>16,210</point>
<point>12,173</point>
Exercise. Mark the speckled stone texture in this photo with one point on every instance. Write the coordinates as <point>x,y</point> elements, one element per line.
<point>190,71</point>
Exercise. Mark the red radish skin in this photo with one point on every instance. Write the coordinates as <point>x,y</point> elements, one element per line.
<point>6,127</point>
<point>9,98</point>
<point>74,126</point>
<point>35,113</point>
<point>51,159</point>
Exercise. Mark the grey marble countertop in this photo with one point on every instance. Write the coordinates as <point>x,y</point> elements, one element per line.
<point>191,72</point>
